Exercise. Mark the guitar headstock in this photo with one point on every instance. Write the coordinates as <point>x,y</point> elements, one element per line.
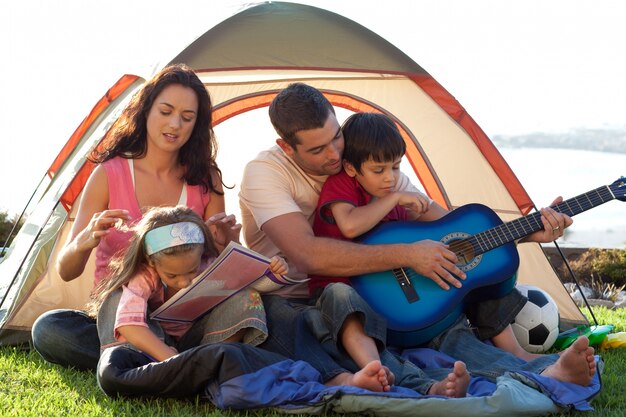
<point>618,188</point>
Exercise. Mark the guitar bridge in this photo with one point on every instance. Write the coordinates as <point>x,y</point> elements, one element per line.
<point>405,285</point>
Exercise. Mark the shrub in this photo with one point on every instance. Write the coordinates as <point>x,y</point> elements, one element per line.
<point>609,265</point>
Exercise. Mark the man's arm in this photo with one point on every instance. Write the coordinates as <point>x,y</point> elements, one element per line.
<point>293,235</point>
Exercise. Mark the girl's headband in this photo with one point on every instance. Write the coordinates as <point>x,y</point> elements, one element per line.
<point>172,235</point>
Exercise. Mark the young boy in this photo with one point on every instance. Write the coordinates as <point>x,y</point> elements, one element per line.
<point>362,195</point>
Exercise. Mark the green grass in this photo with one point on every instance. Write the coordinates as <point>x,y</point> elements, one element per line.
<point>29,386</point>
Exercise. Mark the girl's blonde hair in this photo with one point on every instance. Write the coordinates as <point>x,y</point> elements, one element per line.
<point>125,266</point>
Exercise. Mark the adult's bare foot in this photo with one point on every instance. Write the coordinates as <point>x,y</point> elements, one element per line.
<point>454,385</point>
<point>372,376</point>
<point>576,364</point>
<point>391,378</point>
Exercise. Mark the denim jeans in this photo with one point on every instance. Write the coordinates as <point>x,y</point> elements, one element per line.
<point>224,321</point>
<point>68,338</point>
<point>300,331</point>
<point>483,359</point>
<point>490,317</point>
<point>459,341</point>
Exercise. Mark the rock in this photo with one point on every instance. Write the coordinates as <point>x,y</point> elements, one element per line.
<point>578,298</point>
<point>601,303</point>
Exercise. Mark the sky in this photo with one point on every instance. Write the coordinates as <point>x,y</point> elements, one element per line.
<point>516,66</point>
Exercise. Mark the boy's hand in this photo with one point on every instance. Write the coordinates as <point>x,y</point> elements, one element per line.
<point>279,266</point>
<point>414,202</point>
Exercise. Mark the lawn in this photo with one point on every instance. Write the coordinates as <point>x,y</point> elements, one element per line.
<point>32,387</point>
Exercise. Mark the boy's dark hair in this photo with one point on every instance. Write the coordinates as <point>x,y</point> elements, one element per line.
<point>371,135</point>
<point>298,107</point>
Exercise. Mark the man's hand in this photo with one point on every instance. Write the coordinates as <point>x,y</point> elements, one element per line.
<point>434,260</point>
<point>554,225</point>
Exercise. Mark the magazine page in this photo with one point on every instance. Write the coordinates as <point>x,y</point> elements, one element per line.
<point>235,268</point>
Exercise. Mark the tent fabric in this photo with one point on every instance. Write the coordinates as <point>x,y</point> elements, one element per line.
<point>29,282</point>
<point>244,61</point>
<point>236,376</point>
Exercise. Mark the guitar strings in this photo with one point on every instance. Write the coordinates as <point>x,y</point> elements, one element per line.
<point>515,229</point>
<point>507,232</point>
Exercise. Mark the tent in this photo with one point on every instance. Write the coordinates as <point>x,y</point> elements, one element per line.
<point>244,61</point>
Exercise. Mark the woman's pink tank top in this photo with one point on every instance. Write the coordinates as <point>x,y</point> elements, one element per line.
<point>122,196</point>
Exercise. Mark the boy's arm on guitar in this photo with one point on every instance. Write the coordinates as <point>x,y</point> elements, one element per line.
<point>293,235</point>
<point>353,221</point>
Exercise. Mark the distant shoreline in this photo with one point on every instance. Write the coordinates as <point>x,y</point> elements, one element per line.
<point>600,140</point>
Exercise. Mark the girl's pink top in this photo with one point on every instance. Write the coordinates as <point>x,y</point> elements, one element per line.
<point>145,291</point>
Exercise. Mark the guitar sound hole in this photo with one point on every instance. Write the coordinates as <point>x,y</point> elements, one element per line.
<point>463,251</point>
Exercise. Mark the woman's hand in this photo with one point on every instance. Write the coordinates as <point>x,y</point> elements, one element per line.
<point>224,228</point>
<point>278,266</point>
<point>99,226</point>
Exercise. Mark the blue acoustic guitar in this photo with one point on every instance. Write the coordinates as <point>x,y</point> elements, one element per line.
<point>415,307</point>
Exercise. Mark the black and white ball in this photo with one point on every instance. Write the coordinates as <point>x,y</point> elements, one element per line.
<point>536,326</point>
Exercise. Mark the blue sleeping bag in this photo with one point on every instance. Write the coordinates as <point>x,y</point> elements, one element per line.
<point>238,376</point>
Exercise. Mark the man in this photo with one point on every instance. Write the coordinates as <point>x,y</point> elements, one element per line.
<point>279,193</point>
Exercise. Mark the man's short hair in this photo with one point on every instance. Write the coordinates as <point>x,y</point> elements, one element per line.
<point>371,135</point>
<point>298,107</point>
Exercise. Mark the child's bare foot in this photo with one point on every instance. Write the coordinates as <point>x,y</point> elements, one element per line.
<point>576,364</point>
<point>455,384</point>
<point>373,377</point>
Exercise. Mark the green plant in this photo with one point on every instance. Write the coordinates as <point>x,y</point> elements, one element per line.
<point>608,265</point>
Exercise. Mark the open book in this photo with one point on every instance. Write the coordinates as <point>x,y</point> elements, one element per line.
<point>237,267</point>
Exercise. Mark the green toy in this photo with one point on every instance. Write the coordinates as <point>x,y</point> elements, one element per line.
<point>596,335</point>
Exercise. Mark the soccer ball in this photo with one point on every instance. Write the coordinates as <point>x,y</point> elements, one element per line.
<point>536,326</point>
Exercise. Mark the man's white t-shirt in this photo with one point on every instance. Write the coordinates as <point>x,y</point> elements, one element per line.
<point>273,185</point>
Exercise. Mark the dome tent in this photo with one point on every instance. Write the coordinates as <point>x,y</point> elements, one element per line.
<point>244,61</point>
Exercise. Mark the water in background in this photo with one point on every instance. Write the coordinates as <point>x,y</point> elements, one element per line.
<point>547,173</point>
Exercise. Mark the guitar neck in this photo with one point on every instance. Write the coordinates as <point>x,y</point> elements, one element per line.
<point>522,227</point>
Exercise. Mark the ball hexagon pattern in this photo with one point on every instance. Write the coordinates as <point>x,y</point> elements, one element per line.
<point>536,326</point>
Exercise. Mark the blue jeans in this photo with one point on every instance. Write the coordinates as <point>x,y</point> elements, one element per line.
<point>483,359</point>
<point>459,341</point>
<point>222,322</point>
<point>68,338</point>
<point>490,317</point>
<point>301,331</point>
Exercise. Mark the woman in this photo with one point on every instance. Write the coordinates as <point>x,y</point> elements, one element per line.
<point>160,152</point>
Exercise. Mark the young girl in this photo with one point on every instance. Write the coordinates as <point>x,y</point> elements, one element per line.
<point>169,248</point>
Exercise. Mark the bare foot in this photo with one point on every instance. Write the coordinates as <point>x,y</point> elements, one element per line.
<point>373,377</point>
<point>391,378</point>
<point>576,364</point>
<point>455,384</point>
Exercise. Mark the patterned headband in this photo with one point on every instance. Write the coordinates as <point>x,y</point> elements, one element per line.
<point>172,235</point>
